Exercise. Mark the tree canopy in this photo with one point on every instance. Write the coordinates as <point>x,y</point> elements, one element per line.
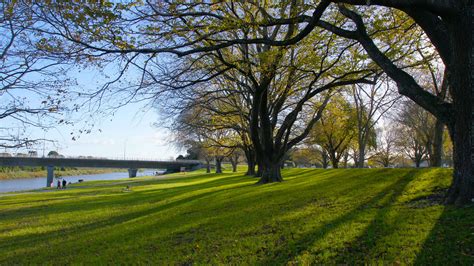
<point>279,61</point>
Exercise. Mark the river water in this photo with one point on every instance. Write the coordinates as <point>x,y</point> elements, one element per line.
<point>11,185</point>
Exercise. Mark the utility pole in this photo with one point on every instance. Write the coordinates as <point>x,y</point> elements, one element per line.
<point>44,142</point>
<point>124,148</point>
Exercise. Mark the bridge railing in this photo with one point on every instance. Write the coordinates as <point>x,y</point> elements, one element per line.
<point>99,158</point>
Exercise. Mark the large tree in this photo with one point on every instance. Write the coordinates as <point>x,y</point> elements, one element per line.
<point>224,99</point>
<point>194,27</point>
<point>285,86</point>
<point>284,81</point>
<point>449,25</point>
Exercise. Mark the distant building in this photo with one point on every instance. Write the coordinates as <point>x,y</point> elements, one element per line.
<point>5,154</point>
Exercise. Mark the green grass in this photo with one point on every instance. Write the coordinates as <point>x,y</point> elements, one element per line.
<point>371,216</point>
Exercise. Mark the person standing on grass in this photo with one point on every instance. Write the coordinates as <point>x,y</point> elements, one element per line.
<point>59,184</point>
<point>64,183</point>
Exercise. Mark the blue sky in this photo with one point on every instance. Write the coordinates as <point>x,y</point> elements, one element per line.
<point>130,131</point>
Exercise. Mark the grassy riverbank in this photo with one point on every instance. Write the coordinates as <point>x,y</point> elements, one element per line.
<point>32,173</point>
<point>362,216</point>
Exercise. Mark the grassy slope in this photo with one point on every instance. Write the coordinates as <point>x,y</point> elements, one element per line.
<point>322,216</point>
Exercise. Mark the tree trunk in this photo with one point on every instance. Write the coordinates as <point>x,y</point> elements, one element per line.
<point>356,158</point>
<point>334,160</point>
<point>461,28</point>
<point>254,130</point>
<point>259,171</point>
<point>250,168</point>
<point>208,166</point>
<point>218,165</point>
<point>234,166</point>
<point>325,164</point>
<point>361,156</point>
<point>208,169</point>
<point>346,159</point>
<point>271,173</point>
<point>259,167</point>
<point>250,156</point>
<point>437,150</point>
<point>324,159</point>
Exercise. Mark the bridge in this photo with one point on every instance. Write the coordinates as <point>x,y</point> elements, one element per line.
<point>132,165</point>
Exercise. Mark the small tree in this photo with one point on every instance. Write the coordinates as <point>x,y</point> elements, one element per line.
<point>306,156</point>
<point>417,131</point>
<point>336,129</point>
<point>53,154</point>
<point>411,144</point>
<point>234,158</point>
<point>371,103</point>
<point>385,153</point>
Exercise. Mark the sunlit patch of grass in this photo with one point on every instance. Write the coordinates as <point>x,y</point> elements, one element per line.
<point>314,217</point>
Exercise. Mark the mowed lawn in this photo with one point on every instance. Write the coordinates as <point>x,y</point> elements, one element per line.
<point>383,216</point>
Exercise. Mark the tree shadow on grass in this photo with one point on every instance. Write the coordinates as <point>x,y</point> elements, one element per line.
<point>240,186</point>
<point>236,198</point>
<point>177,180</point>
<point>79,232</point>
<point>395,233</point>
<point>288,252</point>
<point>92,199</point>
<point>117,197</point>
<point>387,235</point>
<point>451,240</point>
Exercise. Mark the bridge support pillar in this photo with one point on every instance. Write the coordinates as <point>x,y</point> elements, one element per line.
<point>132,172</point>
<point>50,176</point>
